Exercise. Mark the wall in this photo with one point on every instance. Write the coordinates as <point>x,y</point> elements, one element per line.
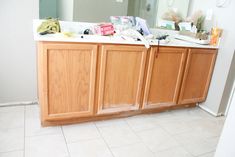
<point>98,11</point>
<point>65,10</point>
<point>225,146</point>
<point>47,8</point>
<point>17,55</point>
<point>222,18</point>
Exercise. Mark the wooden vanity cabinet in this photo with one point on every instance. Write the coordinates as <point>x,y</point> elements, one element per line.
<point>66,79</point>
<point>197,75</point>
<point>121,73</point>
<point>84,82</point>
<point>164,76</point>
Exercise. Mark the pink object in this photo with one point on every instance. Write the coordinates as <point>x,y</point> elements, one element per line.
<point>105,29</point>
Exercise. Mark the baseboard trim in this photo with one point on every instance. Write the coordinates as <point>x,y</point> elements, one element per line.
<point>23,103</point>
<point>209,111</point>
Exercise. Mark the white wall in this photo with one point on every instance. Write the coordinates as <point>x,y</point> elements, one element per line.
<point>225,146</point>
<point>65,10</point>
<point>224,19</point>
<point>98,10</point>
<point>17,55</point>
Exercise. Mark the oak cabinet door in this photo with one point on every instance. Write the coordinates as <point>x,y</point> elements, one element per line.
<point>121,75</point>
<point>68,80</point>
<point>164,76</point>
<point>197,77</point>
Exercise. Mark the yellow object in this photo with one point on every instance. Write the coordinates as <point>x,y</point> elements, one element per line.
<point>68,34</point>
<point>49,26</point>
<point>215,35</point>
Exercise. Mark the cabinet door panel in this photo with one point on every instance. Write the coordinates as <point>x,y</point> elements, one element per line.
<point>164,77</point>
<point>198,72</point>
<point>121,77</point>
<point>70,74</point>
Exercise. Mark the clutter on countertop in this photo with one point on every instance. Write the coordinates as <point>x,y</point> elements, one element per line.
<point>104,29</point>
<point>85,33</point>
<point>49,26</point>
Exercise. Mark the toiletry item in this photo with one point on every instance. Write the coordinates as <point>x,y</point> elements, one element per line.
<point>105,29</point>
<point>215,35</point>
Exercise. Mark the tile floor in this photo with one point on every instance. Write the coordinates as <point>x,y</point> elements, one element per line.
<point>180,133</point>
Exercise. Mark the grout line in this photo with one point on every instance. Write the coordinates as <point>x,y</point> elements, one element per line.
<point>24,128</point>
<point>139,137</point>
<point>65,141</point>
<point>104,140</point>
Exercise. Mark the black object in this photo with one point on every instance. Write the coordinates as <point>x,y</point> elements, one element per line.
<point>158,43</point>
<point>141,31</point>
<point>44,33</point>
<point>87,32</point>
<point>162,37</point>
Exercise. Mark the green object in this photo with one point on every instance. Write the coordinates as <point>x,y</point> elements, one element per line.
<point>49,26</point>
<point>200,22</point>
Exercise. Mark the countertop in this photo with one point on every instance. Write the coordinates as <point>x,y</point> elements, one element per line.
<point>72,26</point>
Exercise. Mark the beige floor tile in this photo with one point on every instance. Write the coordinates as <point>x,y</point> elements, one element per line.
<point>13,154</point>
<point>174,152</point>
<point>200,146</point>
<point>46,146</point>
<point>157,139</point>
<point>11,139</point>
<point>84,131</point>
<point>32,111</point>
<point>140,123</point>
<point>11,117</point>
<point>33,125</point>
<point>208,126</point>
<point>119,135</point>
<point>89,148</point>
<point>110,123</point>
<point>134,150</point>
<point>212,154</point>
<point>177,127</point>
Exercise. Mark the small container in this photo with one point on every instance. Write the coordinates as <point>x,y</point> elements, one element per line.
<point>215,35</point>
<point>105,29</point>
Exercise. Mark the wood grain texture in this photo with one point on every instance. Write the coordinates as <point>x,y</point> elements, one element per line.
<point>121,78</point>
<point>197,77</point>
<point>69,79</point>
<point>164,76</point>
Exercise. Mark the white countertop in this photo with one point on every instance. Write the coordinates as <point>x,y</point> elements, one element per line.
<point>71,26</point>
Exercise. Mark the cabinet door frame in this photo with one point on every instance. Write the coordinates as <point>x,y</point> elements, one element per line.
<point>103,61</point>
<point>205,92</point>
<point>153,54</point>
<point>45,89</point>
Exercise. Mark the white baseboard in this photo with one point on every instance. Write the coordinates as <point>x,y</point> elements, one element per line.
<point>209,111</point>
<point>18,103</point>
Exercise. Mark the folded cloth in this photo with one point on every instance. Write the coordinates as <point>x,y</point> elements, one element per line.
<point>49,26</point>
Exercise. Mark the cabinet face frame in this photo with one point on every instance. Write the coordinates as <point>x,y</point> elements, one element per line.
<point>186,73</point>
<point>43,79</point>
<point>103,63</point>
<point>153,55</point>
